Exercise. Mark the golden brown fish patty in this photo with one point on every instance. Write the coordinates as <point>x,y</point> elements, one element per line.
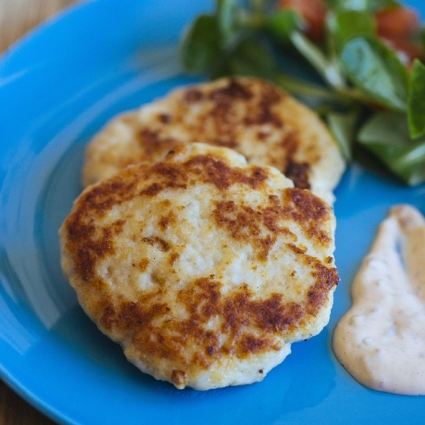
<point>249,115</point>
<point>204,268</point>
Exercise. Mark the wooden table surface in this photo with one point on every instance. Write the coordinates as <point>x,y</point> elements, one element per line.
<point>17,17</point>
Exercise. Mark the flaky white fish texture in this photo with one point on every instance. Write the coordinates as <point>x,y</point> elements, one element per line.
<point>249,115</point>
<point>203,267</point>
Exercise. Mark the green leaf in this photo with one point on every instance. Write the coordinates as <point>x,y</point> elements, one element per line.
<point>376,70</point>
<point>361,5</point>
<point>386,134</point>
<point>283,23</point>
<point>327,69</point>
<point>416,100</point>
<point>200,47</point>
<point>227,12</point>
<point>249,58</point>
<point>342,127</point>
<point>344,25</point>
<point>387,128</point>
<point>375,5</point>
<point>348,4</point>
<point>314,96</point>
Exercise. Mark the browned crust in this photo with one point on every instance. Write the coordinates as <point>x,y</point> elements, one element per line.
<point>260,110</point>
<point>239,103</point>
<point>300,206</point>
<point>248,324</point>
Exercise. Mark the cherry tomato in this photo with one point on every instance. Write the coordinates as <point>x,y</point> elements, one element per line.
<point>313,11</point>
<point>397,22</point>
<point>396,26</point>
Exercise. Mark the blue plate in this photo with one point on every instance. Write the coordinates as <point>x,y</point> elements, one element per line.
<point>57,88</point>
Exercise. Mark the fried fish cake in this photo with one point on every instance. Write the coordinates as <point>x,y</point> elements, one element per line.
<point>203,267</point>
<point>249,115</point>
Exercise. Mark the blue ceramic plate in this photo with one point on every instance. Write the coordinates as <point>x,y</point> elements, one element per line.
<point>57,88</point>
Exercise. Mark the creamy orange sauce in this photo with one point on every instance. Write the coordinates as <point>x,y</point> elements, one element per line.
<point>381,339</point>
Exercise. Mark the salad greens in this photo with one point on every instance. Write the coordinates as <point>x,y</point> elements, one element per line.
<point>360,86</point>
